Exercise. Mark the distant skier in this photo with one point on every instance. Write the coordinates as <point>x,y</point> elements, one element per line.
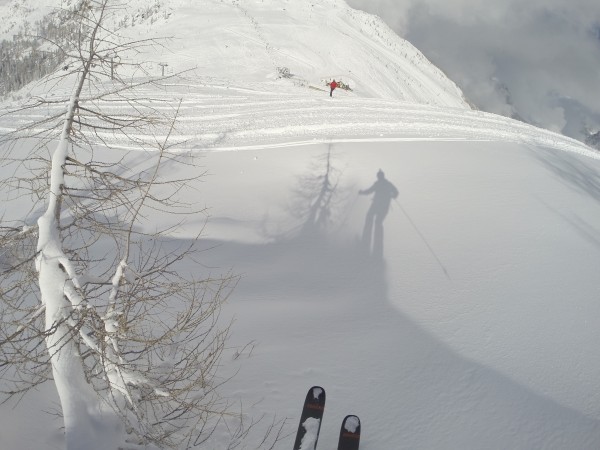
<point>384,193</point>
<point>332,85</point>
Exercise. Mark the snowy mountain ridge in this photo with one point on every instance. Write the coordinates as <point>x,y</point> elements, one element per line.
<point>237,49</point>
<point>251,40</point>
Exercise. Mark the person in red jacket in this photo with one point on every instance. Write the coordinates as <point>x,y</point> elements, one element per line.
<point>332,85</point>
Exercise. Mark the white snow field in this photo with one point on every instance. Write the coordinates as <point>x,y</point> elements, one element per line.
<point>474,326</point>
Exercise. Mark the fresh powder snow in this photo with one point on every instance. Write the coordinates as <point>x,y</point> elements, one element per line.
<point>477,326</point>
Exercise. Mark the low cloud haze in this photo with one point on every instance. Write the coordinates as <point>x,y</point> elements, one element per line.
<point>538,60</point>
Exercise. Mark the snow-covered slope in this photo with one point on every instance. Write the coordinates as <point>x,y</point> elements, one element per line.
<point>476,327</point>
<point>250,40</point>
<point>316,41</point>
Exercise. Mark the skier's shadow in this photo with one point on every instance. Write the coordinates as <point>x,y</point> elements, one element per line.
<point>383,193</point>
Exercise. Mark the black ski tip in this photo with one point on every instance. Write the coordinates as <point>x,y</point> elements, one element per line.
<point>316,394</point>
<point>312,414</point>
<point>352,417</point>
<point>349,433</point>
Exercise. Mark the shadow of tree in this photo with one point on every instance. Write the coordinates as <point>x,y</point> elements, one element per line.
<point>319,202</point>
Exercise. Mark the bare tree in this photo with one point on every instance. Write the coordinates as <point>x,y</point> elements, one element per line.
<point>319,199</point>
<point>93,295</point>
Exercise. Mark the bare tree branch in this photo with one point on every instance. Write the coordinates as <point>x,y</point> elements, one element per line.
<point>83,275</point>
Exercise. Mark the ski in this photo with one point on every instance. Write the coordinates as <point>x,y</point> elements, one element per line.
<point>349,433</point>
<point>310,420</point>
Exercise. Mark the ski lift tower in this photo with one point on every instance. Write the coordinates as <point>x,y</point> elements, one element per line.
<point>115,60</point>
<point>163,65</point>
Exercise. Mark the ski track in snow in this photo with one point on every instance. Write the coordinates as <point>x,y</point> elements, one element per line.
<point>218,117</point>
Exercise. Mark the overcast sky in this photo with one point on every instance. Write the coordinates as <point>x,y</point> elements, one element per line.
<point>543,56</point>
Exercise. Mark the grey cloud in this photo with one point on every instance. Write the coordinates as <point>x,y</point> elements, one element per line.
<point>536,60</point>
